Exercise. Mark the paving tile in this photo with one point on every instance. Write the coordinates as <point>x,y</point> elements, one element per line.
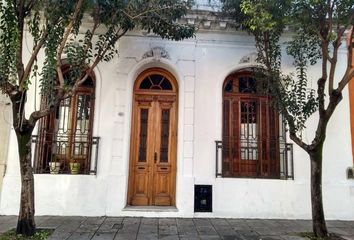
<point>132,230</point>
<point>87,228</point>
<point>67,228</point>
<point>107,227</point>
<point>114,219</point>
<point>57,234</point>
<point>339,231</point>
<point>232,237</point>
<point>187,230</point>
<point>125,236</point>
<point>167,221</point>
<point>202,222</point>
<point>255,223</point>
<point>81,236</point>
<point>147,236</point>
<point>339,223</point>
<point>289,237</point>
<point>185,221</point>
<point>219,222</point>
<point>131,220</point>
<point>6,219</point>
<point>189,238</point>
<point>49,223</point>
<point>94,220</point>
<point>169,237</point>
<point>225,230</point>
<point>351,237</point>
<point>270,238</point>
<point>167,230</point>
<point>149,221</point>
<point>238,223</point>
<point>206,230</point>
<point>148,229</point>
<point>265,231</point>
<point>248,234</point>
<point>208,237</point>
<point>104,236</point>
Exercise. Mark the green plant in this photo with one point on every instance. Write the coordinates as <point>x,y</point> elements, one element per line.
<point>40,234</point>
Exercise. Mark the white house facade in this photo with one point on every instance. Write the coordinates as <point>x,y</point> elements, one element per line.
<point>177,129</point>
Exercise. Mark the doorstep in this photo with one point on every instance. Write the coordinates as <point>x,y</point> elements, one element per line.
<point>150,209</point>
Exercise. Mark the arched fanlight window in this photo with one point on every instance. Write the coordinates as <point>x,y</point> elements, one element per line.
<point>250,129</point>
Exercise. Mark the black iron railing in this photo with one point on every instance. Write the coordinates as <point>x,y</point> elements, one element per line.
<point>65,155</point>
<point>278,159</point>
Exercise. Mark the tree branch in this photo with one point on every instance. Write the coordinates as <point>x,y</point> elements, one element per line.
<point>36,115</point>
<point>20,27</point>
<point>9,88</point>
<point>350,65</point>
<point>98,59</point>
<point>336,45</point>
<point>34,54</point>
<point>64,40</point>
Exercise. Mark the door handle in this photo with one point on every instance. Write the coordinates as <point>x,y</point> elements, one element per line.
<point>155,157</point>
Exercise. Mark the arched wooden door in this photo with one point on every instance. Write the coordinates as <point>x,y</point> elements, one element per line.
<point>152,175</point>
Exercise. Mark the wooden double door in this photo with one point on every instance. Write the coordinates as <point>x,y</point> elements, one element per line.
<point>152,178</point>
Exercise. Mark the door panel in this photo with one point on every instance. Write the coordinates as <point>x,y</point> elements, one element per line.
<point>153,152</point>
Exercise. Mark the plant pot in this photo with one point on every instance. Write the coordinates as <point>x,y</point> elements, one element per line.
<point>74,168</point>
<point>54,167</point>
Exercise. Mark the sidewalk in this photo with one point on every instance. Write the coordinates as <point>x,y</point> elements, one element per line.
<point>107,228</point>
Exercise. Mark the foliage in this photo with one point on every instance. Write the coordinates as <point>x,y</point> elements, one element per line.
<point>41,234</point>
<point>266,20</point>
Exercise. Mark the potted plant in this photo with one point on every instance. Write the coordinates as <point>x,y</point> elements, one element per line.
<point>54,165</point>
<point>74,166</point>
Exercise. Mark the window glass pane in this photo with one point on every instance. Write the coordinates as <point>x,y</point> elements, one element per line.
<point>228,86</point>
<point>62,127</point>
<point>247,85</point>
<point>156,82</point>
<point>165,132</point>
<point>248,131</point>
<point>156,79</point>
<point>145,84</point>
<point>83,109</point>
<point>166,85</point>
<point>144,115</point>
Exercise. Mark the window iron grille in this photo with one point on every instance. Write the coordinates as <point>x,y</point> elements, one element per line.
<point>64,151</point>
<point>284,154</point>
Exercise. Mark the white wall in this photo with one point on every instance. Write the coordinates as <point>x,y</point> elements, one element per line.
<point>200,66</point>
<point>5,127</point>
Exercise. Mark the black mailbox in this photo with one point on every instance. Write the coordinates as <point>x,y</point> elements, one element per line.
<point>203,196</point>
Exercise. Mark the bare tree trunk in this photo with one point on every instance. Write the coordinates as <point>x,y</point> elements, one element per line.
<point>318,219</point>
<point>26,224</point>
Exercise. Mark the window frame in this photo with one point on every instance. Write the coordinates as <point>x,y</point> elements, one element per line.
<point>267,164</point>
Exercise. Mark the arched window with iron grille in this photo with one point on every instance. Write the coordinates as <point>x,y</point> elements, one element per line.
<point>250,135</point>
<point>65,136</point>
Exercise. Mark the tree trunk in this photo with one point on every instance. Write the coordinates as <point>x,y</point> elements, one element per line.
<point>318,219</point>
<point>26,224</point>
